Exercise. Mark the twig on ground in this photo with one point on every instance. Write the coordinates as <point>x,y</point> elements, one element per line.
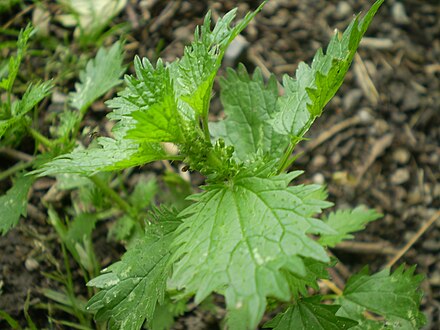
<point>364,80</point>
<point>367,248</point>
<point>378,148</point>
<point>413,239</point>
<point>324,136</point>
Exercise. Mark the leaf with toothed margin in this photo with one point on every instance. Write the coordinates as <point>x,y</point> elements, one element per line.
<point>132,287</point>
<point>194,74</point>
<point>151,94</point>
<point>305,97</point>
<point>102,73</point>
<point>394,296</point>
<point>308,314</point>
<point>238,237</point>
<point>13,203</point>
<point>249,104</point>
<point>345,222</point>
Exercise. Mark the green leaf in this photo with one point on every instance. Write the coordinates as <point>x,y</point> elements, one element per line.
<point>15,61</point>
<point>394,296</point>
<point>33,95</point>
<point>150,100</point>
<point>13,204</point>
<point>132,287</point>
<point>237,237</point>
<point>68,120</point>
<point>165,313</point>
<point>109,155</point>
<point>101,74</point>
<point>345,222</point>
<point>305,97</point>
<point>195,73</point>
<point>143,193</point>
<point>314,271</point>
<point>249,104</point>
<point>309,314</point>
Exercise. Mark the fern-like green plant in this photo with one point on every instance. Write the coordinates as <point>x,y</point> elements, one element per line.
<point>250,234</point>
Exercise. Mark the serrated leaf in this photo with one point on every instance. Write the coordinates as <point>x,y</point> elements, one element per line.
<point>132,287</point>
<point>100,75</point>
<point>314,271</point>
<point>67,122</point>
<point>309,314</point>
<point>236,238</point>
<point>109,155</point>
<point>13,204</point>
<point>394,296</point>
<point>345,222</point>
<point>249,104</point>
<point>143,193</point>
<point>150,101</point>
<point>15,61</point>
<point>194,74</point>
<point>306,96</point>
<point>165,313</point>
<point>33,95</point>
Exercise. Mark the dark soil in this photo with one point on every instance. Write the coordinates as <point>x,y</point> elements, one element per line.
<point>377,143</point>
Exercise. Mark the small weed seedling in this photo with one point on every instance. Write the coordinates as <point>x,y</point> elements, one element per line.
<point>250,234</point>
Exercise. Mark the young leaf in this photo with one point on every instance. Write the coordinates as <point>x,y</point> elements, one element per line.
<point>306,96</point>
<point>249,104</point>
<point>309,314</point>
<point>33,95</point>
<point>132,287</point>
<point>195,73</point>
<point>345,222</point>
<point>15,61</point>
<point>150,100</point>
<point>101,74</point>
<point>236,238</point>
<point>13,204</point>
<point>394,296</point>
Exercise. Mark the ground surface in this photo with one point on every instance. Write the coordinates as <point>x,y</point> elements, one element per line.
<point>377,143</point>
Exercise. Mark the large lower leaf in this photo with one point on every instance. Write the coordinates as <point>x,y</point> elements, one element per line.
<point>309,314</point>
<point>394,296</point>
<point>132,287</point>
<point>237,237</point>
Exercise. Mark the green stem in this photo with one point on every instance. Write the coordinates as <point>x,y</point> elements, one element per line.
<point>41,138</point>
<point>206,128</point>
<point>14,169</point>
<point>285,162</point>
<point>114,196</point>
<point>285,157</point>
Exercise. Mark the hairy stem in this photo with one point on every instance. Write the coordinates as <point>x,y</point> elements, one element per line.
<point>206,128</point>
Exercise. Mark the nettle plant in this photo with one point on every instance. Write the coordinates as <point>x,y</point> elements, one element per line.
<point>250,234</point>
